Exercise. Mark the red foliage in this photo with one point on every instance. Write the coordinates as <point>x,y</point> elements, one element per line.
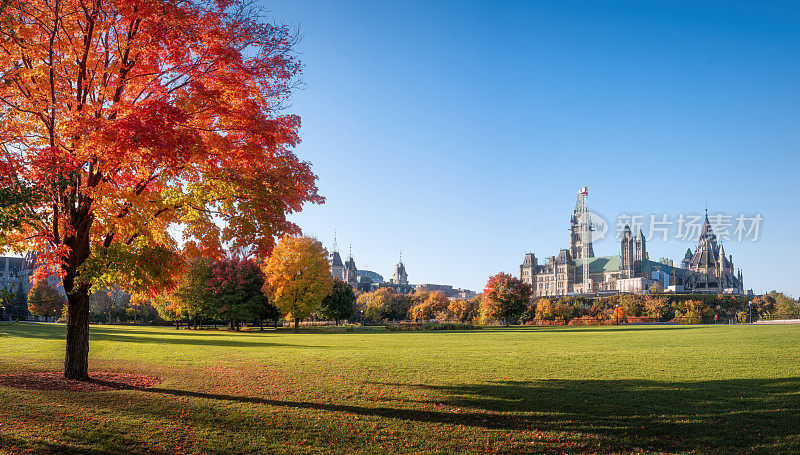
<point>505,297</point>
<point>585,320</point>
<point>546,322</point>
<point>140,116</point>
<point>133,120</point>
<point>640,319</point>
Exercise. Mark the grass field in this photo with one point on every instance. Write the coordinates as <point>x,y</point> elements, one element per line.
<point>727,389</point>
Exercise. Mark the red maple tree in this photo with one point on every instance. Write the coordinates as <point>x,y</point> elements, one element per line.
<point>125,121</point>
<point>506,297</point>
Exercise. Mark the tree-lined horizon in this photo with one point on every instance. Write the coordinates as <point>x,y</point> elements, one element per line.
<point>125,119</point>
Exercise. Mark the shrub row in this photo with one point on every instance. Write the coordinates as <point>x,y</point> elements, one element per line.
<point>415,326</point>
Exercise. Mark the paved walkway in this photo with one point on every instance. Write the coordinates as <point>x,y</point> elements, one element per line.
<point>779,321</point>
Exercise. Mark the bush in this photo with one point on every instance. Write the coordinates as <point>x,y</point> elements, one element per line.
<point>546,322</point>
<point>641,319</point>
<point>584,320</point>
<point>415,327</point>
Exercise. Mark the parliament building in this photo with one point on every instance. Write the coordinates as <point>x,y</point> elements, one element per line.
<point>706,270</point>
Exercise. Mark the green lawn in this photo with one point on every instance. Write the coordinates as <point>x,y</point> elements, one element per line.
<point>728,389</point>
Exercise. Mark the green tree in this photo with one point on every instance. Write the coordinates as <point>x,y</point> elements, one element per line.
<point>340,303</point>
<point>194,292</point>
<point>6,300</point>
<point>298,277</point>
<point>20,308</point>
<point>269,312</point>
<point>235,290</point>
<point>111,302</point>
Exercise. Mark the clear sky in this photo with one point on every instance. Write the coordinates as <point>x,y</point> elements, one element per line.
<point>460,132</point>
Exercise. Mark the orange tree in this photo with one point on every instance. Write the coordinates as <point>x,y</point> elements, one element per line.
<point>436,303</point>
<point>506,297</point>
<point>465,310</point>
<point>298,277</point>
<point>124,118</point>
<point>44,300</point>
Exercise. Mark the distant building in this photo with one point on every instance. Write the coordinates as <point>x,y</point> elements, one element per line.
<point>15,278</point>
<point>374,277</point>
<point>350,271</point>
<point>399,281</point>
<point>447,290</point>
<point>337,266</point>
<point>368,280</point>
<point>400,275</point>
<point>705,270</point>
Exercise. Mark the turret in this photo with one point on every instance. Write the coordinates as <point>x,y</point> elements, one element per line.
<point>400,275</point>
<point>626,253</point>
<point>687,258</point>
<point>639,252</point>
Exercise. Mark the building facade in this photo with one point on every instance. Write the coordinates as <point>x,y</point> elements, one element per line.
<point>706,270</point>
<point>367,280</point>
<point>15,280</point>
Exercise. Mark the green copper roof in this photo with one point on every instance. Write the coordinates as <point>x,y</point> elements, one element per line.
<point>599,264</point>
<point>649,266</point>
<point>604,264</point>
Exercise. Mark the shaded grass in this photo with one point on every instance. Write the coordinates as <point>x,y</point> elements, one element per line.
<point>723,389</point>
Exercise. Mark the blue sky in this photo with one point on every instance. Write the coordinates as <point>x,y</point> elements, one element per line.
<point>460,132</point>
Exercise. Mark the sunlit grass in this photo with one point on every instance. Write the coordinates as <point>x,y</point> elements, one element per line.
<point>724,389</point>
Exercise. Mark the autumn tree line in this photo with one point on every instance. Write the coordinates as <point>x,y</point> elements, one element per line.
<point>292,284</point>
<point>506,300</point>
<point>237,291</point>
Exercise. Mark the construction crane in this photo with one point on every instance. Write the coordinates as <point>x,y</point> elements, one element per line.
<point>586,232</point>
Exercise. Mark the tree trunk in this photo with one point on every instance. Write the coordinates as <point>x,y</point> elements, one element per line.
<point>76,360</point>
<point>261,323</point>
<point>296,325</point>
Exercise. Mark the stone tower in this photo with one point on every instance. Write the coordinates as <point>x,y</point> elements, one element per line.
<point>626,253</point>
<point>639,253</point>
<point>350,270</point>
<point>337,267</point>
<point>712,271</point>
<point>400,275</point>
<point>575,240</point>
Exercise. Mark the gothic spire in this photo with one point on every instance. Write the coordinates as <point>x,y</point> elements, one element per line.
<point>707,234</point>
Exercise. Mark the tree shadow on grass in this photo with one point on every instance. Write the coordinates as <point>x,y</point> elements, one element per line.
<point>22,445</point>
<point>195,339</point>
<point>135,335</point>
<point>709,416</point>
<point>727,416</point>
